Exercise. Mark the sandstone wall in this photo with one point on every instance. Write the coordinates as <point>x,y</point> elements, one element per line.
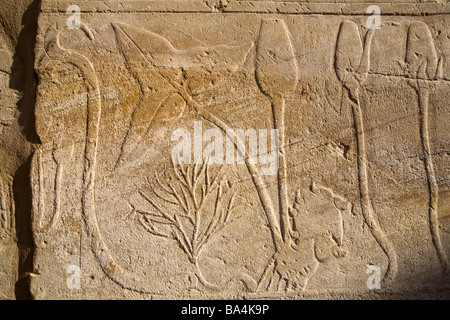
<point>224,149</point>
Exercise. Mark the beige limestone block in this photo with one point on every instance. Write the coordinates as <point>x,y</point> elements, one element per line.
<point>241,149</point>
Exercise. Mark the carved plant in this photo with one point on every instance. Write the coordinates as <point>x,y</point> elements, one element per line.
<point>181,206</point>
<point>422,67</point>
<point>277,76</point>
<point>300,248</point>
<point>352,64</point>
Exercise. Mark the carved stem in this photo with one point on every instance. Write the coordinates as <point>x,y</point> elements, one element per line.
<point>203,280</point>
<point>278,107</point>
<point>433,189</point>
<point>257,181</point>
<point>366,204</point>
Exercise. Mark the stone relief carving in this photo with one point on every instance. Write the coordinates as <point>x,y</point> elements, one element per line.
<point>352,67</point>
<point>8,99</point>
<point>316,231</point>
<point>62,145</point>
<point>190,205</point>
<point>182,209</point>
<point>422,65</point>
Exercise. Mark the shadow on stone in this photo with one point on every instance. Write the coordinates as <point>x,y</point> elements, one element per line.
<point>23,79</point>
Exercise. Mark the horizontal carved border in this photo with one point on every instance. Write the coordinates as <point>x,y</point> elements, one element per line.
<point>394,7</point>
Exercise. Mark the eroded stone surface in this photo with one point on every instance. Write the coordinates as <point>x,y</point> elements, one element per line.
<point>16,108</point>
<point>363,164</point>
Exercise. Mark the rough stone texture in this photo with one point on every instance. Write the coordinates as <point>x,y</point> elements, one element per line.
<point>363,163</point>
<point>8,246</point>
<point>17,92</point>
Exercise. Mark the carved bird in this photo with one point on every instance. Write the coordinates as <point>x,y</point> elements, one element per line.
<point>156,65</point>
<point>161,53</point>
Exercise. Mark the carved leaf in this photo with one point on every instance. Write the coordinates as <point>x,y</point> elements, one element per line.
<point>150,226</point>
<point>157,218</point>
